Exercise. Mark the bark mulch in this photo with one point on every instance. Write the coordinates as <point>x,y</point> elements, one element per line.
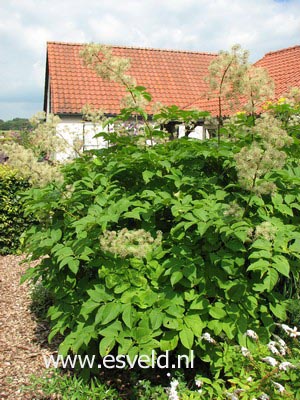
<point>23,339</point>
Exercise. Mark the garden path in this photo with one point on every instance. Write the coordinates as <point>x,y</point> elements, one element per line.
<point>23,340</point>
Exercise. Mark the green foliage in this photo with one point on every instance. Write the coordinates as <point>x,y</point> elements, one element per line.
<point>68,387</point>
<point>18,124</point>
<point>12,219</point>
<point>226,262</point>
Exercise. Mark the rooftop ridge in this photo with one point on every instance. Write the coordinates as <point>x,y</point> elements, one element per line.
<point>297,46</point>
<point>136,48</point>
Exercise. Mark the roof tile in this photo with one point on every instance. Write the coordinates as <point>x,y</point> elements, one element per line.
<point>284,67</point>
<point>171,76</point>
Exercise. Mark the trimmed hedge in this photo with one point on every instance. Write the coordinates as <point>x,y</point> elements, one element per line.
<point>12,219</point>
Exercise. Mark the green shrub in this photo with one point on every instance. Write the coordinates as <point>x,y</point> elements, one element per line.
<point>12,219</point>
<point>225,261</point>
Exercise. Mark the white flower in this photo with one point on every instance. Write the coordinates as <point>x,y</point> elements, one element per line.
<point>282,345</point>
<point>238,391</point>
<point>284,366</point>
<point>173,395</point>
<point>174,384</point>
<point>249,379</point>
<point>199,383</point>
<point>292,332</point>
<point>206,336</point>
<point>264,396</point>
<point>245,351</point>
<point>281,342</point>
<point>270,360</point>
<point>279,387</point>
<point>251,334</point>
<point>232,396</point>
<point>285,327</point>
<point>272,347</point>
<point>282,350</point>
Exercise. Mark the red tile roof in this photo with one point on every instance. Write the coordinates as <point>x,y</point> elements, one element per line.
<point>171,76</point>
<point>284,67</point>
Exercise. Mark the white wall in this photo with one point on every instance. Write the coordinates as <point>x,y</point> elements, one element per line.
<point>199,133</point>
<point>73,130</point>
<point>78,134</point>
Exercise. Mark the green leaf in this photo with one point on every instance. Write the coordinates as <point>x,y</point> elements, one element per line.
<point>99,294</point>
<point>277,199</point>
<point>217,313</point>
<point>271,279</point>
<point>195,324</point>
<point>111,330</point>
<point>122,287</point>
<point>295,247</point>
<point>169,341</point>
<point>29,274</point>
<point>176,277</point>
<point>73,265</point>
<point>56,235</point>
<point>106,345</point>
<point>110,312</point>
<point>147,175</point>
<point>156,319</point>
<point>279,310</point>
<point>186,337</point>
<point>260,265</point>
<point>281,265</point>
<point>236,291</point>
<point>63,253</point>
<point>286,210</point>
<point>127,315</point>
<point>88,307</point>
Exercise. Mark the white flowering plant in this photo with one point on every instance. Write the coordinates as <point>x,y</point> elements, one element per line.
<point>267,371</point>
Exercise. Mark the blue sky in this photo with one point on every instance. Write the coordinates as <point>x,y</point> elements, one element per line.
<point>259,26</point>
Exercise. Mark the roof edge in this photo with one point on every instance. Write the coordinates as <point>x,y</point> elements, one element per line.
<point>134,48</point>
<point>297,46</point>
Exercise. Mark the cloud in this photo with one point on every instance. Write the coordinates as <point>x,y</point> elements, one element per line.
<point>202,25</point>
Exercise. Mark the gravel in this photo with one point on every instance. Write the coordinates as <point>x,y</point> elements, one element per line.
<point>23,340</point>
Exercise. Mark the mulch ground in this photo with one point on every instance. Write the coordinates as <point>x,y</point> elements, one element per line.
<point>23,340</point>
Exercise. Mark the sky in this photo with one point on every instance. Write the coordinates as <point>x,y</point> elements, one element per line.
<point>259,26</point>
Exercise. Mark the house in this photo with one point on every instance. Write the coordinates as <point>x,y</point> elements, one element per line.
<point>171,76</point>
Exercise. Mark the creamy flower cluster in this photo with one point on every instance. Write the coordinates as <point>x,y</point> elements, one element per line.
<point>264,155</point>
<point>134,243</point>
<point>109,67</point>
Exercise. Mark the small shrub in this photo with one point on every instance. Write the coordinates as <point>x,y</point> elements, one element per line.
<point>41,300</point>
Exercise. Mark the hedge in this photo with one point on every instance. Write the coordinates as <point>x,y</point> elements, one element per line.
<point>12,219</point>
